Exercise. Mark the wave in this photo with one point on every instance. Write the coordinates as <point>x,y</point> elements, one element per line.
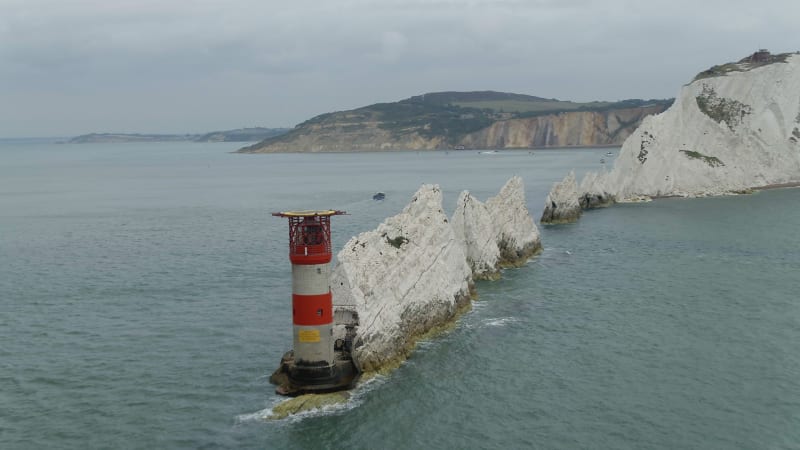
<point>356,398</point>
<point>499,321</point>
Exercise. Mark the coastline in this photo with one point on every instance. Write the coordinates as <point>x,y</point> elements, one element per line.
<point>377,150</point>
<point>746,191</point>
<point>792,184</point>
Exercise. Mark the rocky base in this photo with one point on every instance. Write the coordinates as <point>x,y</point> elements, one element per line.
<point>307,402</point>
<point>292,380</point>
<point>591,200</point>
<point>436,327</point>
<point>517,257</point>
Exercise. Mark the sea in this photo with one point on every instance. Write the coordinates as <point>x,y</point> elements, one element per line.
<point>145,297</point>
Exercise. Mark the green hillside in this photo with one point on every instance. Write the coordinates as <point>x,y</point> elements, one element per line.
<point>242,135</point>
<point>450,115</point>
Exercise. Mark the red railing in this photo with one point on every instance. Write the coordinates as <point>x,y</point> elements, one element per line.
<point>309,235</point>
<point>310,239</point>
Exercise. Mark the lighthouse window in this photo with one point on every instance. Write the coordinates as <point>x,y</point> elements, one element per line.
<point>314,234</point>
<point>319,312</point>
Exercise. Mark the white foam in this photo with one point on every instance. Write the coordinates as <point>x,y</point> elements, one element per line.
<point>357,396</point>
<point>499,321</point>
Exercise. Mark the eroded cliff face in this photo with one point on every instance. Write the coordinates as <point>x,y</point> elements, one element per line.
<point>727,132</point>
<point>347,137</point>
<point>580,128</point>
<point>566,129</point>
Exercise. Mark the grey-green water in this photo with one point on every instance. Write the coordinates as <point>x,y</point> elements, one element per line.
<point>145,290</point>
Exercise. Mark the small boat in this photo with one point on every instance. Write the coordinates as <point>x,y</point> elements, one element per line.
<point>379,196</point>
<point>602,161</point>
<point>609,154</point>
<point>488,152</point>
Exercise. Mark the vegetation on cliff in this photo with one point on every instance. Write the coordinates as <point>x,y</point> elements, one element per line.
<point>109,138</point>
<point>758,59</point>
<point>721,109</point>
<point>443,116</point>
<point>242,135</point>
<point>237,135</point>
<point>712,161</point>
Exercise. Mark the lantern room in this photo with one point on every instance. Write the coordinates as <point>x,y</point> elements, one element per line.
<point>309,235</point>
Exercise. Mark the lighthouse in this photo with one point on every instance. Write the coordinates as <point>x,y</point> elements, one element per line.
<point>316,363</point>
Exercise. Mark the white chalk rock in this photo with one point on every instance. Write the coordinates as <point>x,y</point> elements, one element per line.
<point>561,205</point>
<point>401,280</point>
<point>516,235</point>
<point>474,229</point>
<point>593,192</point>
<point>735,127</point>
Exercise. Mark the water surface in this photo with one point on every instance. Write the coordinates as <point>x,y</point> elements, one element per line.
<point>145,292</point>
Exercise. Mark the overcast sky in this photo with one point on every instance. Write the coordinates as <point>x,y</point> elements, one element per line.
<point>179,66</point>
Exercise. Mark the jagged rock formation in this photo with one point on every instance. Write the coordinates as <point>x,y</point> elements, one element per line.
<point>733,128</point>
<point>562,205</point>
<point>473,226</point>
<point>414,273</point>
<point>516,234</point>
<point>449,120</point>
<point>403,279</point>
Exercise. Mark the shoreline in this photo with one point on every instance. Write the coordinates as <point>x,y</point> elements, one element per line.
<point>791,184</point>
<point>766,187</point>
<point>468,150</point>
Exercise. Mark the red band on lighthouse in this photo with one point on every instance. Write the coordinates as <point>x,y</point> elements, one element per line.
<point>308,310</point>
<point>309,254</point>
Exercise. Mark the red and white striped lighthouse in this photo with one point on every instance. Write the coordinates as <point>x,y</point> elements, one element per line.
<point>312,365</point>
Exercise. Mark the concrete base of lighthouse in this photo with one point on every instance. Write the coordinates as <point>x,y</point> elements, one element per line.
<point>294,378</point>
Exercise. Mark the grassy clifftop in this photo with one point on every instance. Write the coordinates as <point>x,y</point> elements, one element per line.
<point>237,135</point>
<point>446,116</point>
<point>758,59</point>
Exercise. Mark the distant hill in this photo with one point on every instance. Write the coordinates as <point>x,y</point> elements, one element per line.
<point>237,135</point>
<point>242,135</point>
<point>104,138</point>
<point>483,119</point>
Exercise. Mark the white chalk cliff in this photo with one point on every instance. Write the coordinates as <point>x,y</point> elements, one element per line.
<point>561,205</point>
<point>516,234</point>
<point>474,228</point>
<point>734,127</point>
<point>414,273</point>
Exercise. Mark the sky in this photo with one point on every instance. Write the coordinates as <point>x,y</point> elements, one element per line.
<point>180,66</point>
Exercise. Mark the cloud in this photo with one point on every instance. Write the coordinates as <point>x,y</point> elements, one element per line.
<point>284,62</point>
<point>393,46</point>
